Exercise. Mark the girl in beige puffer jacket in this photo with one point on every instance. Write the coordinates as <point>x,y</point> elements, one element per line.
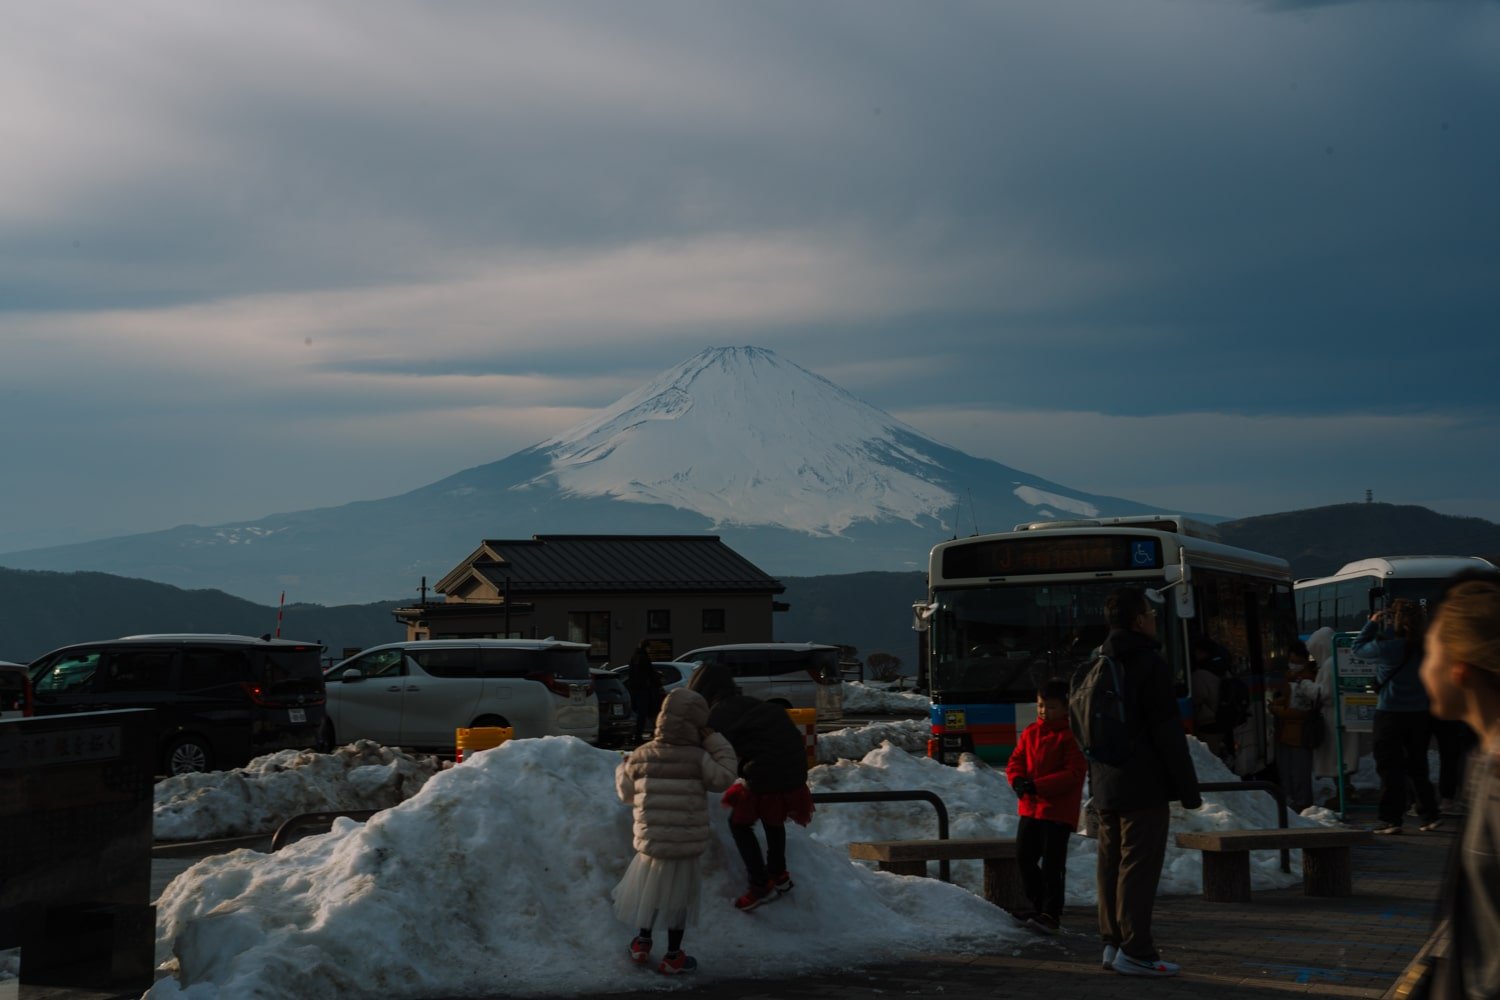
<point>667,781</point>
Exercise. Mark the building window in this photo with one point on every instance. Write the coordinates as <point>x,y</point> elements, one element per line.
<point>659,620</point>
<point>713,619</point>
<point>591,627</point>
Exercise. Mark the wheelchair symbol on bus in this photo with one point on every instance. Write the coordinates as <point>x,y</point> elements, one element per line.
<point>1142,555</point>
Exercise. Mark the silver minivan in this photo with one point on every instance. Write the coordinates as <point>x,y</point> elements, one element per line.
<point>791,674</point>
<point>416,694</point>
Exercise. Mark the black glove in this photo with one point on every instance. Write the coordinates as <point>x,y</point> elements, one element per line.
<point>1023,786</point>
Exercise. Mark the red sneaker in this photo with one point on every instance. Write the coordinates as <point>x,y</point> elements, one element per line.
<point>782,882</point>
<point>756,895</point>
<point>640,950</point>
<point>676,962</point>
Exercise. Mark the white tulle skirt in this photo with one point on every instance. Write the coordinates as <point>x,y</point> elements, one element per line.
<point>661,892</point>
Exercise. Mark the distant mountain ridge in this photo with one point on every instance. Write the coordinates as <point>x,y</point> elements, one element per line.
<point>870,611</point>
<point>1320,540</point>
<point>791,471</point>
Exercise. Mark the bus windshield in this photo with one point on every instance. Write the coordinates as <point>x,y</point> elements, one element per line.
<point>1004,642</point>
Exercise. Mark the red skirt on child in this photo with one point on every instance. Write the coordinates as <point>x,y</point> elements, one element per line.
<point>770,808</point>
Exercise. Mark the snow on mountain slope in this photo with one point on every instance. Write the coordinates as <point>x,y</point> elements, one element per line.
<point>744,437</point>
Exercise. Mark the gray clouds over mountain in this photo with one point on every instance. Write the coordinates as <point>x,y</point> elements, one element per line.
<point>1224,256</point>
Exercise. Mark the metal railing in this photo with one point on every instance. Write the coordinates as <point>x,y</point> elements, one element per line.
<point>1258,786</point>
<point>911,795</point>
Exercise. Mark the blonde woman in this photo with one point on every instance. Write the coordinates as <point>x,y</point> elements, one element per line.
<point>1461,672</point>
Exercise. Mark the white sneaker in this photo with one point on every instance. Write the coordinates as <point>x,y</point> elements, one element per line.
<point>1125,965</point>
<point>1110,951</point>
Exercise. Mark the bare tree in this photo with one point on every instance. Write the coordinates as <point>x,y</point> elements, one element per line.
<point>883,666</point>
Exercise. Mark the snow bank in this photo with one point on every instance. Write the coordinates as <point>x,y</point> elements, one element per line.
<point>853,743</point>
<point>260,796</point>
<point>869,700</point>
<point>495,879</point>
<point>981,804</point>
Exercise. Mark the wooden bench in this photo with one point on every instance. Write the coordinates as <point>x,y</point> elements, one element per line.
<point>1326,868</point>
<point>1002,873</point>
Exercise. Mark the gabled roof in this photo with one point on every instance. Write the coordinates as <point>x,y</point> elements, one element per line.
<point>571,563</point>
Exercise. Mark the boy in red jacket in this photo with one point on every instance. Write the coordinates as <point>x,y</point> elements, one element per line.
<point>1046,770</point>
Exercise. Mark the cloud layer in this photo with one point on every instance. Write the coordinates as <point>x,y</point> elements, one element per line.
<point>1226,256</point>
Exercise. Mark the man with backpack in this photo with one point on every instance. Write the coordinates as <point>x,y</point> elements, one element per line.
<point>1124,713</point>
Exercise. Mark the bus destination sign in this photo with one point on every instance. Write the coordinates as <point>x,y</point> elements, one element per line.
<point>1044,554</point>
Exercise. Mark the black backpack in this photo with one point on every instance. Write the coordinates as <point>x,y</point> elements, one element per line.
<point>1234,703</point>
<point>1096,712</point>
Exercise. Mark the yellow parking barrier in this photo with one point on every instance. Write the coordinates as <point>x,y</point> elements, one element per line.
<point>471,741</point>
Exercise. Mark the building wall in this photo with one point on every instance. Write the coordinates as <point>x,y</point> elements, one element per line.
<point>746,618</point>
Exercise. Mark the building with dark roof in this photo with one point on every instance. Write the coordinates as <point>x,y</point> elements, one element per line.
<point>678,592</point>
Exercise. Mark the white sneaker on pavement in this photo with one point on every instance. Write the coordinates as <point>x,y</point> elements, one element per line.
<point>1125,965</point>
<point>1110,951</point>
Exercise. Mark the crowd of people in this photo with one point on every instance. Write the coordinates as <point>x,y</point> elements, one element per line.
<point>1125,737</point>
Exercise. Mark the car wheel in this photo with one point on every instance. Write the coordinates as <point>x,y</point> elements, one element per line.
<point>490,722</point>
<point>325,742</point>
<point>780,703</point>
<point>187,755</point>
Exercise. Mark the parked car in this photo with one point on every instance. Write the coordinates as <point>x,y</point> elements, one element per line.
<point>787,673</point>
<point>220,700</point>
<point>417,694</point>
<point>673,674</point>
<point>616,718</point>
<point>15,691</point>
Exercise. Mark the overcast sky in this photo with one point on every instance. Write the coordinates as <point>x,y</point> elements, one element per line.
<point>1218,255</point>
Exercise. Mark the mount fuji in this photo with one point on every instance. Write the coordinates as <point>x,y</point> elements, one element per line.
<point>790,470</point>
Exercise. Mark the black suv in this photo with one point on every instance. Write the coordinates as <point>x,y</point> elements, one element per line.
<point>220,700</point>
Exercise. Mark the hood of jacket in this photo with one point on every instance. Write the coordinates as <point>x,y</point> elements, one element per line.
<point>1320,645</point>
<point>683,715</point>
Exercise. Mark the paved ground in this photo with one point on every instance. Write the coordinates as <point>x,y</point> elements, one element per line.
<point>1282,942</point>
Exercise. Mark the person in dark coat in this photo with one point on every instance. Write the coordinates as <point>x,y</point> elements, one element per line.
<point>1134,799</point>
<point>773,778</point>
<point>1461,675</point>
<point>644,685</point>
<point>1393,638</point>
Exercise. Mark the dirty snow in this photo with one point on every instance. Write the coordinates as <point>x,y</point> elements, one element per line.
<point>867,699</point>
<point>260,796</point>
<point>853,743</point>
<point>495,877</point>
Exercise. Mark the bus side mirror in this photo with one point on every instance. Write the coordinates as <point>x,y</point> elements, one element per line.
<point>921,616</point>
<point>1185,606</point>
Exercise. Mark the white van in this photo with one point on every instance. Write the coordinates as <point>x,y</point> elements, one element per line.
<point>416,694</point>
<point>787,673</point>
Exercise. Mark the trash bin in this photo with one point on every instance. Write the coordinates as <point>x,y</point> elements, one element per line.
<point>471,741</point>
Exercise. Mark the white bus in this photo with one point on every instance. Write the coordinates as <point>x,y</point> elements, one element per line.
<point>1344,600</point>
<point>1006,612</point>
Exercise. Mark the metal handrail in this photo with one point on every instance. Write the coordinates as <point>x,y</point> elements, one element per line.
<point>302,821</point>
<point>1258,786</point>
<point>899,795</point>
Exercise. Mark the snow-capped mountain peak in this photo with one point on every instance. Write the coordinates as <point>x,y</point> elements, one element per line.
<point>745,437</point>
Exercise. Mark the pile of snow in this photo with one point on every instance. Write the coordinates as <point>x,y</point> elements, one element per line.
<point>260,796</point>
<point>866,699</point>
<point>495,879</point>
<point>980,803</point>
<point>853,743</point>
